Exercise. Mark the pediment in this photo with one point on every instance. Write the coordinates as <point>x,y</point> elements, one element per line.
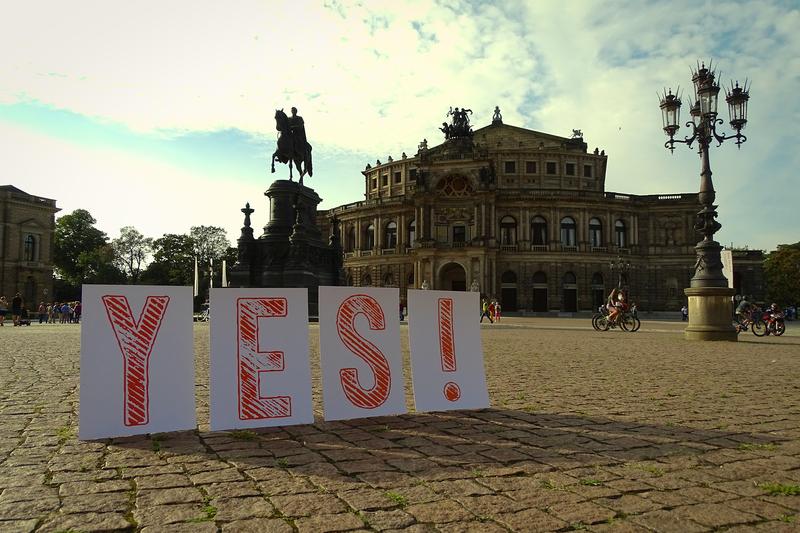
<point>32,223</point>
<point>507,137</point>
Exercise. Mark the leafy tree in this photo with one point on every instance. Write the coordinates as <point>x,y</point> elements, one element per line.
<point>131,249</point>
<point>75,234</point>
<point>210,242</point>
<point>782,270</point>
<point>99,266</point>
<point>173,261</point>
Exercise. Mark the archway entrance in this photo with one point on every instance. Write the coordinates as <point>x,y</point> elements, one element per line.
<point>452,277</point>
<point>570,288</point>
<point>508,291</point>
<point>540,292</point>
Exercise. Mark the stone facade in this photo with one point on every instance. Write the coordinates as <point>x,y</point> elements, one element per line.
<point>524,217</point>
<point>26,245</point>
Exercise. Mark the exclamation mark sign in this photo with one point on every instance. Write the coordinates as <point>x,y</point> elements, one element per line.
<point>447,347</point>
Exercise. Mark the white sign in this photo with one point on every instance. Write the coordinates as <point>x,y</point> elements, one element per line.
<point>362,366</point>
<point>260,374</point>
<point>137,366</point>
<point>727,265</point>
<point>446,353</point>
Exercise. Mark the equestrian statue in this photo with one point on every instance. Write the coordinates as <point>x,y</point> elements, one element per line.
<point>292,144</point>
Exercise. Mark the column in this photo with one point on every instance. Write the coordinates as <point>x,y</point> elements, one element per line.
<point>378,233</point>
<point>483,219</point>
<point>358,234</point>
<point>401,232</point>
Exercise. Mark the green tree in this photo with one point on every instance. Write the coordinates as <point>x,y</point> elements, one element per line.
<point>99,266</point>
<point>173,261</point>
<point>131,249</point>
<point>210,242</point>
<point>75,234</point>
<point>782,272</point>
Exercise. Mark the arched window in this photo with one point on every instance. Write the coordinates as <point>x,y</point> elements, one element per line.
<point>390,240</point>
<point>567,231</point>
<point>29,253</point>
<point>369,238</point>
<point>508,230</point>
<point>366,281</point>
<point>539,231</point>
<point>597,279</point>
<point>598,290</point>
<point>412,233</point>
<point>540,277</point>
<point>570,279</point>
<point>388,280</point>
<point>351,239</point>
<point>621,233</point>
<point>595,233</point>
<point>508,277</point>
<point>410,279</point>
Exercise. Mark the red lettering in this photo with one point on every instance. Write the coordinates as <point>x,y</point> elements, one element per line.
<point>254,364</point>
<point>447,346</point>
<point>136,340</point>
<point>365,398</point>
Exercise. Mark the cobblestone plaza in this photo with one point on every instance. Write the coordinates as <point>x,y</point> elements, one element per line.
<point>598,431</point>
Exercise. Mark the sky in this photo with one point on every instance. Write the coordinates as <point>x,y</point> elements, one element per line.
<point>160,115</point>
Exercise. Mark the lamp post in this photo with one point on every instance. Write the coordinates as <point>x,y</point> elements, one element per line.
<point>708,292</point>
<point>621,268</point>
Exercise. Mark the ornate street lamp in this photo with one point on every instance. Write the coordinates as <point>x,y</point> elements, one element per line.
<point>708,290</point>
<point>621,268</point>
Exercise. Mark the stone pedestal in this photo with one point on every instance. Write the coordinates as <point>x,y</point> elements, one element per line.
<point>291,251</point>
<point>710,314</point>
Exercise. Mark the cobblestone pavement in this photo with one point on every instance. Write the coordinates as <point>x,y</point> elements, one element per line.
<point>598,431</point>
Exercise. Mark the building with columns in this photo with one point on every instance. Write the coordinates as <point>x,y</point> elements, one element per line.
<point>522,216</point>
<point>27,229</point>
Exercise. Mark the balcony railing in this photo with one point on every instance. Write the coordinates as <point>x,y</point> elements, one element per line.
<point>508,247</point>
<point>538,247</point>
<point>365,253</point>
<point>565,248</point>
<point>599,249</point>
<point>348,255</point>
<point>459,244</point>
<point>388,251</point>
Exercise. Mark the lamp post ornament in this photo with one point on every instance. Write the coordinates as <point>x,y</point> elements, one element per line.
<point>708,292</point>
<point>708,267</point>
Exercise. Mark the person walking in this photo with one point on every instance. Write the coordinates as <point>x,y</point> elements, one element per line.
<point>16,308</point>
<point>3,309</point>
<point>485,311</point>
<point>42,313</point>
<point>497,311</point>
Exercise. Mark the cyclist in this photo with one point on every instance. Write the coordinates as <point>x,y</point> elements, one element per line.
<point>744,312</point>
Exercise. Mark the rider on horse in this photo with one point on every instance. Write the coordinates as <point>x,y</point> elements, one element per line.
<point>292,144</point>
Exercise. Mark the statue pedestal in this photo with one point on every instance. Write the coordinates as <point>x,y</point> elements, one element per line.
<point>710,314</point>
<point>291,251</point>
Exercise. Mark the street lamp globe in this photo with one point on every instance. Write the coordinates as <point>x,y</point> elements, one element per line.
<point>670,113</point>
<point>737,98</point>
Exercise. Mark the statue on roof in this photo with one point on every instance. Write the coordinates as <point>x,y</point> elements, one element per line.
<point>497,118</point>
<point>459,128</point>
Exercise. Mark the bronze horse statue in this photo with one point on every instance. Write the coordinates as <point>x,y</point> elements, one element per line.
<point>292,145</point>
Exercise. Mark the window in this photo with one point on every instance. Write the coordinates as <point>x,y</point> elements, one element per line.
<point>369,238</point>
<point>390,240</point>
<point>385,180</point>
<point>539,278</point>
<point>412,174</point>
<point>567,231</point>
<point>570,169</point>
<point>398,177</point>
<point>29,252</point>
<point>510,167</point>
<point>508,230</point>
<point>459,234</point>
<point>351,239</point>
<point>530,167</point>
<point>388,280</point>
<point>595,233</point>
<point>551,167</point>
<point>412,233</point>
<point>366,281</point>
<point>539,231</point>
<point>587,171</point>
<point>410,279</point>
<point>621,233</point>
<point>374,183</point>
<point>508,277</point>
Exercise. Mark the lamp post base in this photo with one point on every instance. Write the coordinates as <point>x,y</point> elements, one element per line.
<point>710,314</point>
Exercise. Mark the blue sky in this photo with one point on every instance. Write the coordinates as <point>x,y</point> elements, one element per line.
<point>160,115</point>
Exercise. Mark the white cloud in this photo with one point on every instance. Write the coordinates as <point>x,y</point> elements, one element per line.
<point>377,77</point>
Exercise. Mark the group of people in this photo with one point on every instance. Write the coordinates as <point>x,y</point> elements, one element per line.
<point>47,313</point>
<point>747,313</point>
<point>490,309</point>
<point>16,310</point>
